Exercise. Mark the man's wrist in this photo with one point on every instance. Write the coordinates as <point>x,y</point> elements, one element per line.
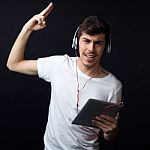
<point>27,29</point>
<point>110,136</point>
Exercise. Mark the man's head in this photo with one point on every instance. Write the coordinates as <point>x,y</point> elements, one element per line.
<point>93,25</point>
<point>92,40</point>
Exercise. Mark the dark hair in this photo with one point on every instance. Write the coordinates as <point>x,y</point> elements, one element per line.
<point>93,25</point>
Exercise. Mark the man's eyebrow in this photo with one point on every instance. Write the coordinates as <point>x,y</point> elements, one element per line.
<point>96,42</point>
<point>84,38</point>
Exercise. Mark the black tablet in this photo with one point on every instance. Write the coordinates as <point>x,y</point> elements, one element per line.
<point>94,108</point>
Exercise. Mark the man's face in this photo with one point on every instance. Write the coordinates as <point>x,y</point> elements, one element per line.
<point>91,49</point>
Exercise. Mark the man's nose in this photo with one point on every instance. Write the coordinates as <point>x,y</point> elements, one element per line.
<point>91,46</point>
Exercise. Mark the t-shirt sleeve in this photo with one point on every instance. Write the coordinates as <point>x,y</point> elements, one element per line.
<point>117,93</point>
<point>117,96</point>
<point>47,65</point>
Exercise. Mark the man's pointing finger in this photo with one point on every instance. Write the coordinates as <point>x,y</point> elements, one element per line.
<point>47,10</point>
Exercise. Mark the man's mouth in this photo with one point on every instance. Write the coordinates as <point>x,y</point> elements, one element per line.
<point>90,57</point>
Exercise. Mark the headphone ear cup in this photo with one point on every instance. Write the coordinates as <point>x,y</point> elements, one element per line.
<point>109,45</point>
<point>75,40</point>
<point>75,43</point>
<point>108,49</point>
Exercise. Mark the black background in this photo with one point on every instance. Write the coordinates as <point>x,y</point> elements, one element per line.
<point>24,99</point>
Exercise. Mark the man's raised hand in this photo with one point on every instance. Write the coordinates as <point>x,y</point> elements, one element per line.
<point>38,22</point>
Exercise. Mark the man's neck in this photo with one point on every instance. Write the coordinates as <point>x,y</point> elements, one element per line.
<point>92,71</point>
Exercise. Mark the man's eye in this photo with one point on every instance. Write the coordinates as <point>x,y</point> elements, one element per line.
<point>86,41</point>
<point>99,43</point>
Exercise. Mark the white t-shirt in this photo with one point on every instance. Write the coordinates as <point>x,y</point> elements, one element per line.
<point>61,72</point>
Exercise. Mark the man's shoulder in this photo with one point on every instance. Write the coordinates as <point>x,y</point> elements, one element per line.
<point>115,80</point>
<point>57,58</point>
<point>62,57</point>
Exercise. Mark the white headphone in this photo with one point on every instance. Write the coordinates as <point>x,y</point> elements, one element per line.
<point>75,42</point>
<point>109,45</point>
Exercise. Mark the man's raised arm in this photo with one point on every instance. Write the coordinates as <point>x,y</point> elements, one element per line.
<point>16,61</point>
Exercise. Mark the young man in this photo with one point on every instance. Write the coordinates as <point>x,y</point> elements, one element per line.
<point>73,80</point>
